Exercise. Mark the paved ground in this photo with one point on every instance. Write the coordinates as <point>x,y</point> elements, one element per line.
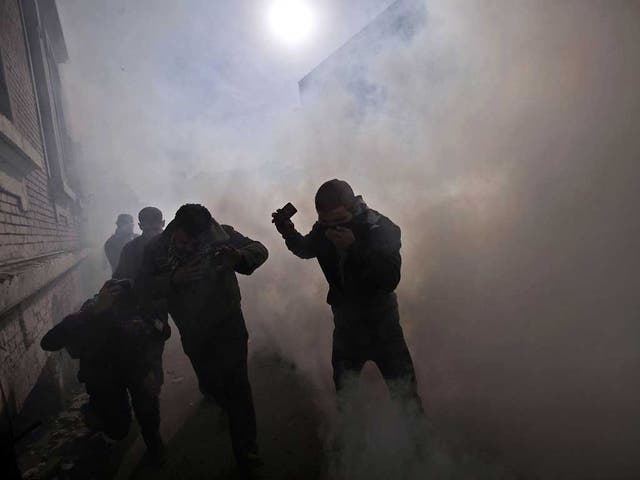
<point>374,444</point>
<point>196,432</point>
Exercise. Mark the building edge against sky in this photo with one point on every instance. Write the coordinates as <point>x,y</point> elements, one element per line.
<point>347,66</point>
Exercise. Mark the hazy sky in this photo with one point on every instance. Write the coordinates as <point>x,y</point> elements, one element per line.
<point>215,59</point>
<point>178,87</point>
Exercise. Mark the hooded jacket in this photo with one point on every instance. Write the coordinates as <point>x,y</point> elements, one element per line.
<point>368,272</point>
<point>207,308</point>
<point>109,345</point>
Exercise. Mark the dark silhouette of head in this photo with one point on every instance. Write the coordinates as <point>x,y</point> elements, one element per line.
<point>334,201</point>
<point>193,219</point>
<point>150,221</point>
<point>190,222</point>
<point>124,223</point>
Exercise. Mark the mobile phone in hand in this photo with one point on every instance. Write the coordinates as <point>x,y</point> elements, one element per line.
<point>288,211</point>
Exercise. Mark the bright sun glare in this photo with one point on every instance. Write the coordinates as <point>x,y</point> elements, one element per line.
<point>292,22</point>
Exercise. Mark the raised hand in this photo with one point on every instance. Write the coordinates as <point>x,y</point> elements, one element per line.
<point>191,272</point>
<point>283,225</point>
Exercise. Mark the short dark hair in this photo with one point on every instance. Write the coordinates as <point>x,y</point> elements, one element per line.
<point>333,194</point>
<point>193,219</point>
<point>124,218</point>
<point>150,215</point>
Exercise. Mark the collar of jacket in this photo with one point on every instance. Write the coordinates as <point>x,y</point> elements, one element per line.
<point>363,214</point>
<point>216,234</point>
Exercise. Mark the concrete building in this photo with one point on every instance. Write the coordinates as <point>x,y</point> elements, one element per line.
<point>40,214</point>
<point>348,67</point>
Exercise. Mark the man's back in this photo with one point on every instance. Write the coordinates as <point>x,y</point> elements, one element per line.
<point>131,257</point>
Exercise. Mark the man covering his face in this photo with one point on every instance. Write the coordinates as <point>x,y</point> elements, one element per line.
<point>191,269</point>
<point>358,250</point>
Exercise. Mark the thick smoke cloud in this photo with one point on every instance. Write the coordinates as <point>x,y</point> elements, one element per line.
<point>507,150</point>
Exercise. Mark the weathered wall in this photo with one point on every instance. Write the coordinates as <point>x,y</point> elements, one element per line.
<point>43,227</point>
<point>40,247</point>
<point>18,73</point>
<point>21,358</point>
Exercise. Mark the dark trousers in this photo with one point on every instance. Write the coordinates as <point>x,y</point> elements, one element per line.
<point>113,409</point>
<point>222,373</point>
<point>374,333</point>
<point>109,397</point>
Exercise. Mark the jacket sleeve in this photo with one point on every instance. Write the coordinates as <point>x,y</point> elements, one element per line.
<point>300,245</point>
<point>375,267</point>
<point>70,333</point>
<point>253,252</point>
<point>56,338</point>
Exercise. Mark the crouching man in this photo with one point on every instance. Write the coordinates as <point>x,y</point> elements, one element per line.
<point>193,265</point>
<point>120,354</point>
<point>358,250</point>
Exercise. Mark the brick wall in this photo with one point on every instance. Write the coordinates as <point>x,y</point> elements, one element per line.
<point>18,73</point>
<point>45,223</point>
<point>21,358</point>
<point>42,228</point>
<point>37,231</point>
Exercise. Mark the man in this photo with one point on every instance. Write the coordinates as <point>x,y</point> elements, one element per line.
<point>358,250</point>
<point>151,223</point>
<point>193,265</point>
<point>117,352</point>
<point>123,235</point>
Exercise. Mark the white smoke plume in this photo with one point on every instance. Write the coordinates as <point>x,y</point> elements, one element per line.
<point>508,152</point>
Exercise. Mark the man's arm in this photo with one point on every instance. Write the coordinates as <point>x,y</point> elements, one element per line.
<point>375,267</point>
<point>70,333</point>
<point>252,253</point>
<point>56,338</point>
<point>300,245</point>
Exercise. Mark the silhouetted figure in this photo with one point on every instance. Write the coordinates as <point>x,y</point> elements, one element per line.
<point>358,250</point>
<point>119,355</point>
<point>123,235</point>
<point>151,223</point>
<point>193,265</point>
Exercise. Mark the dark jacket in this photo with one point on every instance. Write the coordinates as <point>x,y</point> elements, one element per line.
<point>206,309</point>
<point>108,345</point>
<point>113,246</point>
<point>131,257</point>
<point>368,272</point>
